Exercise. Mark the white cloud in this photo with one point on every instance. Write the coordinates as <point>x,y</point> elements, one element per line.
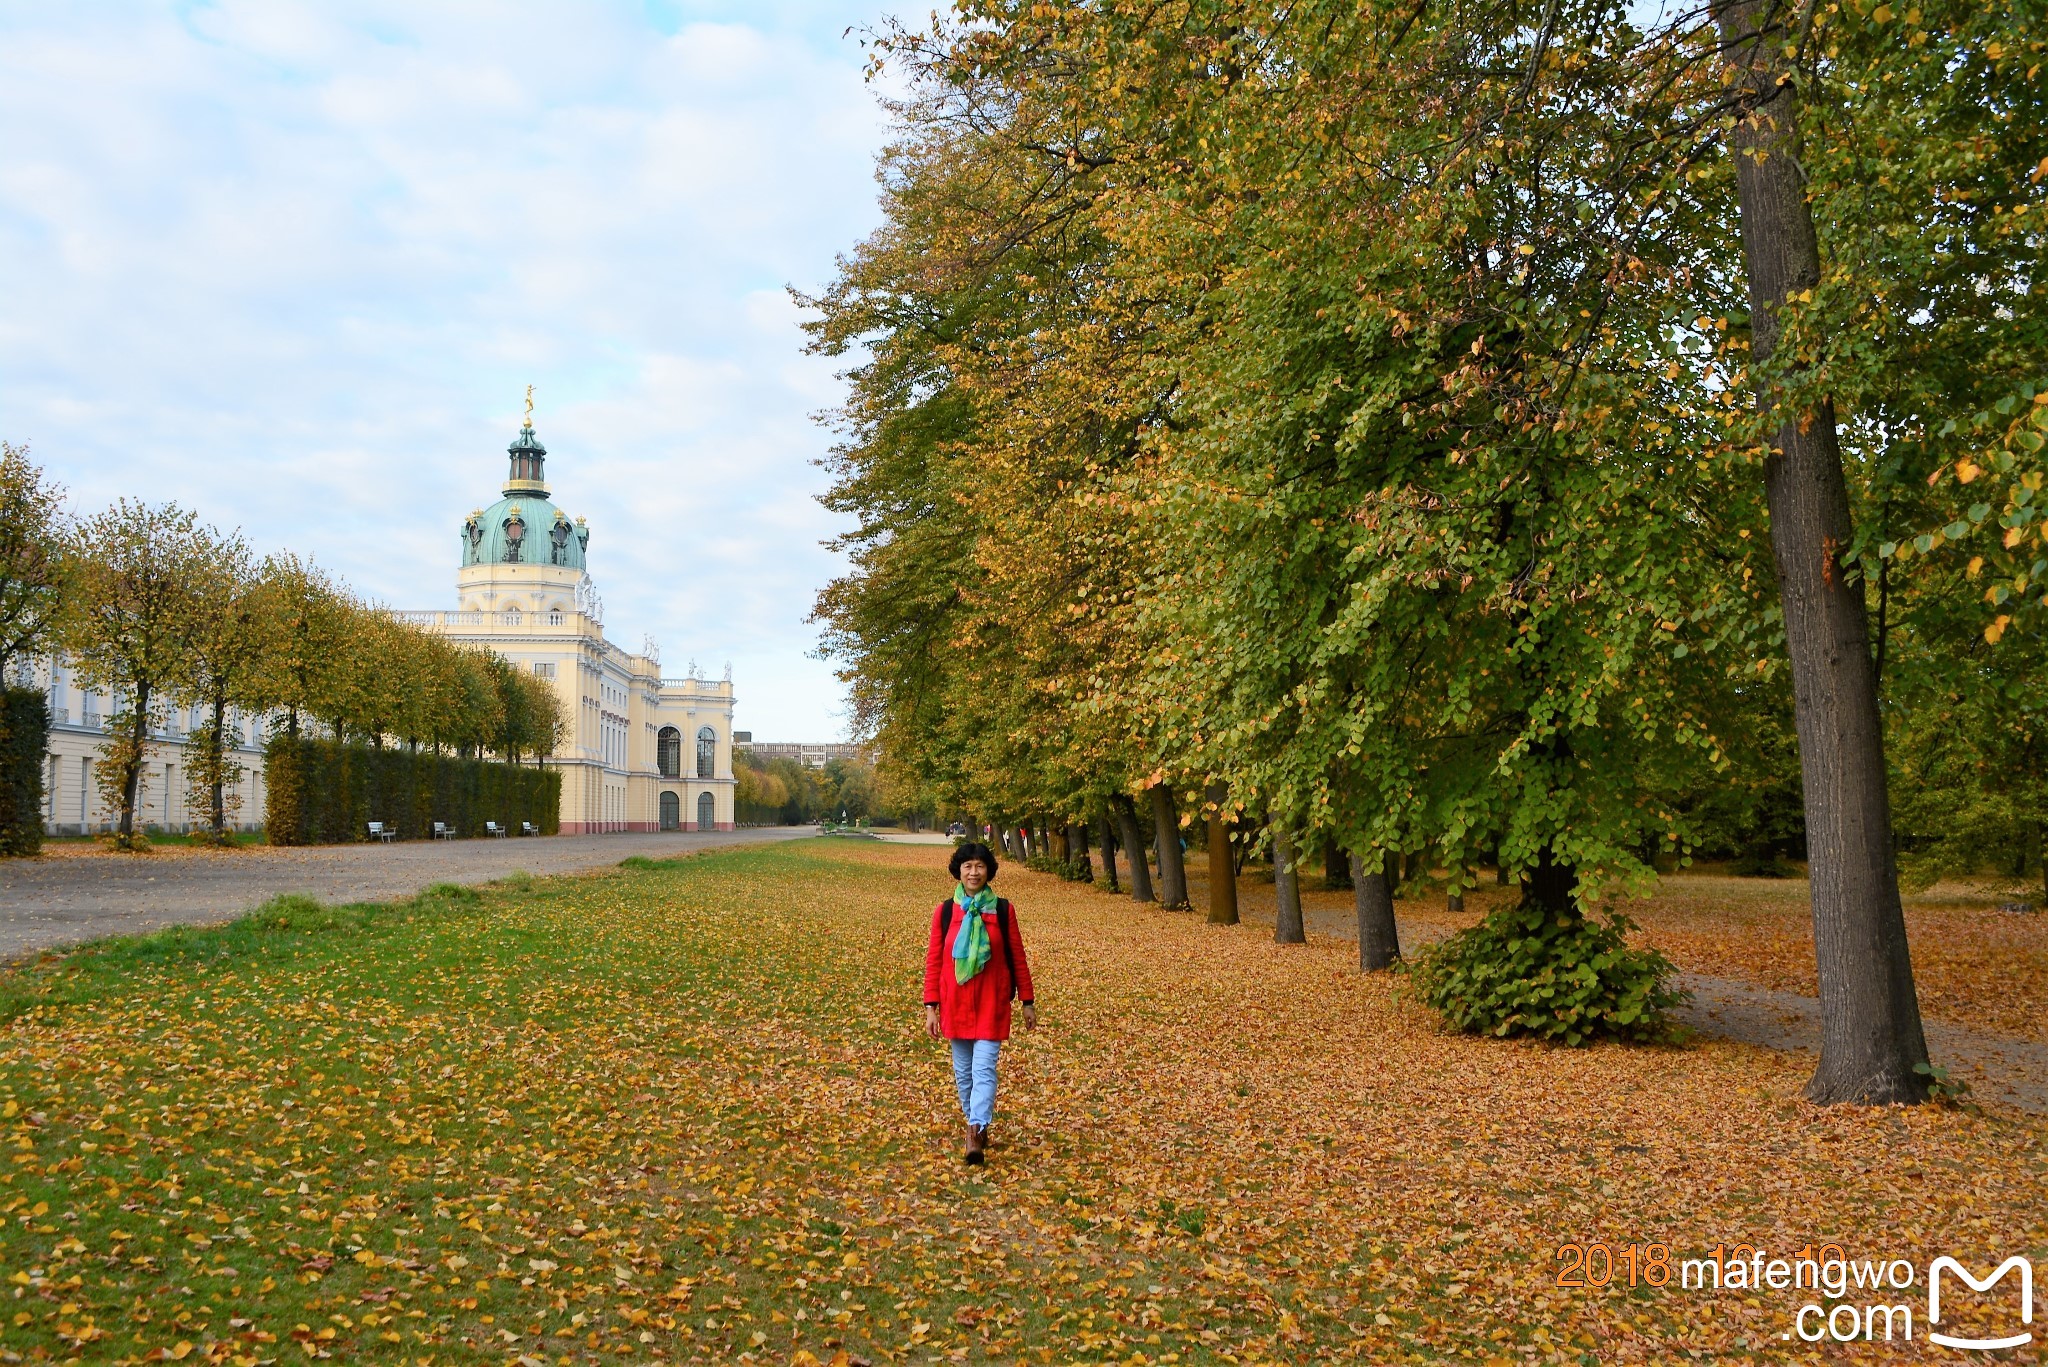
<point>293,264</point>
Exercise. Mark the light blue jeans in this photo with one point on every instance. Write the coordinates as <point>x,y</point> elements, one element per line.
<point>974,1074</point>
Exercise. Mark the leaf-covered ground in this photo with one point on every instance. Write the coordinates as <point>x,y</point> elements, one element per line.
<point>684,1112</point>
<point>1974,964</point>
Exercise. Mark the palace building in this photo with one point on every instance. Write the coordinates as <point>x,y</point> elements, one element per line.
<point>641,752</point>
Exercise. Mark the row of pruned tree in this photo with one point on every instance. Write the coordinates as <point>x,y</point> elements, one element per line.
<point>785,792</point>
<point>159,611</point>
<point>1502,430</point>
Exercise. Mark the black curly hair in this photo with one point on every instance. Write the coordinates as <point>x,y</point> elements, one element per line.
<point>974,849</point>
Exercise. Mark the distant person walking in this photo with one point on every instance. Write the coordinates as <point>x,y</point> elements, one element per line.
<point>973,967</point>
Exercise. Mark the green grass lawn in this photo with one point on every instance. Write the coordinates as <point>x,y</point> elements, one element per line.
<point>561,1119</point>
<point>682,1111</point>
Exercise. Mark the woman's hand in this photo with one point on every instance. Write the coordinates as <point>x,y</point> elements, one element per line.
<point>1030,1016</point>
<point>931,1022</point>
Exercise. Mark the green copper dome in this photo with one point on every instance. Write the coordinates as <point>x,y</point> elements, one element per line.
<point>523,527</point>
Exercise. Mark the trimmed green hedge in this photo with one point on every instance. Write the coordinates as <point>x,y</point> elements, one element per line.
<point>323,792</point>
<point>24,737</point>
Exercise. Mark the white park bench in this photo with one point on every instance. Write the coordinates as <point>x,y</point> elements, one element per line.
<point>379,831</point>
<point>528,828</point>
<point>443,831</point>
<point>496,831</point>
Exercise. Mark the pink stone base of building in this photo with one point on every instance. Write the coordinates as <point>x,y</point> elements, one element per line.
<point>633,827</point>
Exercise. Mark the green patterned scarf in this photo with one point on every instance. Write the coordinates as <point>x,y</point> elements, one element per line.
<point>970,946</point>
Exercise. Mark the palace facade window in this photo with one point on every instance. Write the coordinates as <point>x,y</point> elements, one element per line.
<point>668,752</point>
<point>707,752</point>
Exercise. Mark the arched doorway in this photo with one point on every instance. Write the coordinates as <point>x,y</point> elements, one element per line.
<point>671,812</point>
<point>707,813</point>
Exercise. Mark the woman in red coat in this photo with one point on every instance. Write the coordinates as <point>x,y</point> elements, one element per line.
<point>973,966</point>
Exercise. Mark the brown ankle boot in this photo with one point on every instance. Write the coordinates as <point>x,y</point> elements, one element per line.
<point>976,1142</point>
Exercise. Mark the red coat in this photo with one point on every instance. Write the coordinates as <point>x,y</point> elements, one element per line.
<point>980,1007</point>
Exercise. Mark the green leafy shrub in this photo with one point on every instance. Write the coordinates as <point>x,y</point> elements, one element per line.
<point>24,734</point>
<point>1763,864</point>
<point>1560,976</point>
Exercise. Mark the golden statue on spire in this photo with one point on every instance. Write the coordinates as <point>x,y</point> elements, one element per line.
<point>529,408</point>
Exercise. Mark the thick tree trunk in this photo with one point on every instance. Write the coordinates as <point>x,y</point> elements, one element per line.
<point>1871,1039</point>
<point>1077,849</point>
<point>1173,876</point>
<point>1379,941</point>
<point>1551,885</point>
<point>220,764</point>
<point>1336,865</point>
<point>1454,901</point>
<point>1287,928</point>
<point>131,781</point>
<point>1106,836</point>
<point>1222,866</point>
<point>1134,846</point>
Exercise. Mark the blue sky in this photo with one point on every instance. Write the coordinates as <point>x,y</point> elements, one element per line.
<point>292,266</point>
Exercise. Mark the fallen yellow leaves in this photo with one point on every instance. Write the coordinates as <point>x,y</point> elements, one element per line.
<point>685,1114</point>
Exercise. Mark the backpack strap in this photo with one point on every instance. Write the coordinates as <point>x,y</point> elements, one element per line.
<point>1003,929</point>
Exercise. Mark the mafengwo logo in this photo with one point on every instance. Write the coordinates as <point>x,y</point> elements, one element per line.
<point>2026,1290</point>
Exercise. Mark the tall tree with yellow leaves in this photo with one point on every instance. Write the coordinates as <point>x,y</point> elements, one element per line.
<point>132,629</point>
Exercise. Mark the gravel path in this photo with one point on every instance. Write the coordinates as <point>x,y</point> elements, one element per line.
<point>64,898</point>
<point>1996,1067</point>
